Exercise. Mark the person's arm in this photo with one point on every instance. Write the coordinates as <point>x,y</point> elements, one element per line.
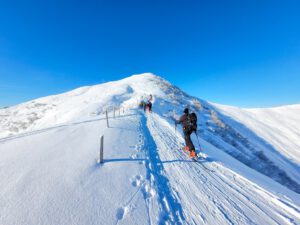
<point>181,119</point>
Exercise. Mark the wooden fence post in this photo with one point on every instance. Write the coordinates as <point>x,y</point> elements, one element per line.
<point>101,149</point>
<point>107,124</point>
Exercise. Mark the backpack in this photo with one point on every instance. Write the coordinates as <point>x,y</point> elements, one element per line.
<point>192,122</point>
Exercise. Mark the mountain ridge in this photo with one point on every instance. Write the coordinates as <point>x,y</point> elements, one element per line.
<point>50,171</point>
<point>253,149</point>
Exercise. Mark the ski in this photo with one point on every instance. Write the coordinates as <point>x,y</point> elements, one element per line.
<point>187,153</point>
<point>200,160</point>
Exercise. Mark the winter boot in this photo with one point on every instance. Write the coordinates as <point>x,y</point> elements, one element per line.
<point>193,154</point>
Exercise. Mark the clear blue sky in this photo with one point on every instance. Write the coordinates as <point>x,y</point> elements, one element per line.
<point>244,53</point>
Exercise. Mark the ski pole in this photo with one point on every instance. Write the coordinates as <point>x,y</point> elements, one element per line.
<point>198,141</point>
<point>176,139</point>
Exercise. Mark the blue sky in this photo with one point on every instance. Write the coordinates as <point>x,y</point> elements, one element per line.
<point>244,53</point>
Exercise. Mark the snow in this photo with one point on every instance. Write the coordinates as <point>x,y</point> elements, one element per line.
<point>49,170</point>
<point>60,182</point>
<point>279,126</point>
<point>219,186</point>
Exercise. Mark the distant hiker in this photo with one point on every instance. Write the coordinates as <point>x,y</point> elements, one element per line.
<point>189,125</point>
<point>150,102</point>
<point>148,105</point>
<point>150,98</point>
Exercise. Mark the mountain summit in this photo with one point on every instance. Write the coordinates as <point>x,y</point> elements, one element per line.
<point>50,175</point>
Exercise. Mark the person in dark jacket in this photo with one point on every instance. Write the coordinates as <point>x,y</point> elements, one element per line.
<point>187,131</point>
<point>148,105</point>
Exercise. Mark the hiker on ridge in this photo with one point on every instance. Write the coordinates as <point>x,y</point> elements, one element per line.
<point>188,126</point>
<point>148,105</point>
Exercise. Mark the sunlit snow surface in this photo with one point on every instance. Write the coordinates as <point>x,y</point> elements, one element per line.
<point>279,126</point>
<point>49,170</point>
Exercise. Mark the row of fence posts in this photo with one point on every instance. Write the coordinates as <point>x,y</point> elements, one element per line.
<point>101,160</point>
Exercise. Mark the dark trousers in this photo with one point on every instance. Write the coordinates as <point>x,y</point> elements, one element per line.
<point>149,105</point>
<point>188,141</point>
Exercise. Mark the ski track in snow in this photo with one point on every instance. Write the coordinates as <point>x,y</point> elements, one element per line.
<point>229,200</point>
<point>170,209</point>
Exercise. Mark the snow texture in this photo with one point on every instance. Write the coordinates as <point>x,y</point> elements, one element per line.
<point>50,171</point>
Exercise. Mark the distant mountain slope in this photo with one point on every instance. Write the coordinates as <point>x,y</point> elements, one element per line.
<point>272,137</point>
<point>279,126</point>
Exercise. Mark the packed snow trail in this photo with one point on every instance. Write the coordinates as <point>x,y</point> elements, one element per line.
<point>171,211</point>
<point>220,197</point>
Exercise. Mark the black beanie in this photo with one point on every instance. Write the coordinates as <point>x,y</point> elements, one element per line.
<point>186,111</point>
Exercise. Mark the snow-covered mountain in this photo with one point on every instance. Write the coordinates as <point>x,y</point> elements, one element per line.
<point>50,175</point>
<point>279,126</point>
<point>274,136</point>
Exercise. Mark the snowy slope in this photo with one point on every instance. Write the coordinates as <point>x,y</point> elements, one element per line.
<point>274,132</point>
<point>49,172</point>
<point>58,109</point>
<point>220,190</point>
<point>279,126</point>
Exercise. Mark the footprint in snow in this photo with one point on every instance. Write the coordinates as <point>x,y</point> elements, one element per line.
<point>121,212</point>
<point>139,177</point>
<point>140,141</point>
<point>138,147</point>
<point>137,181</point>
<point>149,192</point>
